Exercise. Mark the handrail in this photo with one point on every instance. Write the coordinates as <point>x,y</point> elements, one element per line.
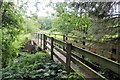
<point>102,47</point>
<point>67,52</point>
<point>99,59</point>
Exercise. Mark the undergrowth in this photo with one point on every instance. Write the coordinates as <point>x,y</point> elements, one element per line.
<point>35,67</point>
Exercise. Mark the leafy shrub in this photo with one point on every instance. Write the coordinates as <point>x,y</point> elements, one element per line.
<point>12,27</point>
<point>35,66</point>
<point>75,76</point>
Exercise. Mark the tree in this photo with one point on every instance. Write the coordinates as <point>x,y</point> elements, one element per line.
<point>105,20</point>
<point>95,20</point>
<point>32,24</point>
<point>69,19</point>
<point>45,23</point>
<point>12,26</point>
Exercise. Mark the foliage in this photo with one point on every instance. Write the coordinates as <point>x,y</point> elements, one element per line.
<point>68,19</point>
<point>0,41</point>
<point>32,24</point>
<point>20,40</point>
<point>12,26</point>
<point>87,19</point>
<point>75,76</point>
<point>45,22</point>
<point>34,67</point>
<point>104,17</point>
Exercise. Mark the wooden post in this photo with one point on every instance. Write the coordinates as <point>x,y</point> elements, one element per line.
<point>52,48</point>
<point>63,37</point>
<point>83,40</point>
<point>66,38</point>
<point>41,40</point>
<point>68,57</point>
<point>38,38</point>
<point>44,41</point>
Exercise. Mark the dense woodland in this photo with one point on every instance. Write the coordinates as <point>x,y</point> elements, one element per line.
<point>96,21</point>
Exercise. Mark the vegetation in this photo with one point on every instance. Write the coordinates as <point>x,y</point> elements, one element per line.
<point>82,19</point>
<point>34,67</point>
<point>95,21</point>
<point>14,31</point>
<point>32,25</point>
<point>12,27</point>
<point>46,23</point>
<point>68,20</point>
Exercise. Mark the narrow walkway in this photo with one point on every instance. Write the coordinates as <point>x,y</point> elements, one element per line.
<point>73,66</point>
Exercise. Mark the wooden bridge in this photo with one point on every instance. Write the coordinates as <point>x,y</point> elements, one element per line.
<point>77,57</point>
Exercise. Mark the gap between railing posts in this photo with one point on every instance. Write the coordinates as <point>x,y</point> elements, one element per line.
<point>68,57</point>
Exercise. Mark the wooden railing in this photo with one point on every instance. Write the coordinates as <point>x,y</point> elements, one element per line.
<point>75,55</point>
<point>106,49</point>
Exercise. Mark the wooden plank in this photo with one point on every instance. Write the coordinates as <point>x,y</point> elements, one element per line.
<point>57,34</point>
<point>80,71</point>
<point>90,41</point>
<point>60,42</point>
<point>48,36</point>
<point>48,48</point>
<point>114,66</point>
<point>106,45</point>
<point>87,69</point>
<point>86,40</point>
<point>97,51</point>
<point>73,37</point>
<point>48,42</point>
<point>79,57</point>
<point>58,45</point>
<point>59,59</point>
<point>60,50</point>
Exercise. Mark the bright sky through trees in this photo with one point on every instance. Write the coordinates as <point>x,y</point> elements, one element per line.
<point>39,7</point>
<point>43,8</point>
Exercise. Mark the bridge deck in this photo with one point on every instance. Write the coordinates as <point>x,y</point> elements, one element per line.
<point>73,66</point>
